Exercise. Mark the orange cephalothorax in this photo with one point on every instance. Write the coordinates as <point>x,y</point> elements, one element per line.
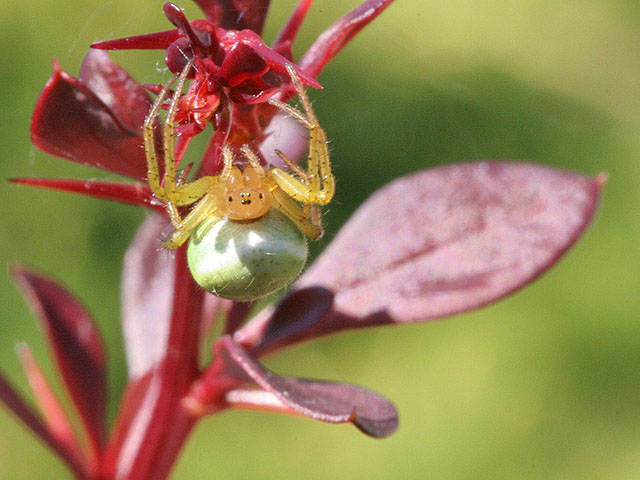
<point>245,195</point>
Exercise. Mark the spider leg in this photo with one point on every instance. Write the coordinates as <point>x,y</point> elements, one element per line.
<point>202,210</point>
<point>171,189</point>
<point>319,185</point>
<point>227,156</point>
<point>168,134</point>
<point>153,174</point>
<point>307,218</point>
<point>182,176</point>
<point>254,161</point>
<point>292,166</point>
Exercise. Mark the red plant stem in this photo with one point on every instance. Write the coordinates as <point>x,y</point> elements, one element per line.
<point>170,422</point>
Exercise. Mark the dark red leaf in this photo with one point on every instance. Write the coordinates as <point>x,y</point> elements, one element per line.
<point>71,122</point>
<point>212,158</point>
<point>236,314</point>
<point>76,345</point>
<point>333,39</point>
<point>147,41</point>
<point>125,97</point>
<point>236,14</point>
<point>277,62</point>
<point>325,401</point>
<point>177,17</point>
<point>147,296</point>
<point>13,402</point>
<point>434,244</point>
<point>133,193</point>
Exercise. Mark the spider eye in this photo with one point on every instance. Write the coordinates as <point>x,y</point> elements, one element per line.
<point>260,196</point>
<point>230,198</point>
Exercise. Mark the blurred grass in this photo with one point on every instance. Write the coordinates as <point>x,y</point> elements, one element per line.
<point>544,384</point>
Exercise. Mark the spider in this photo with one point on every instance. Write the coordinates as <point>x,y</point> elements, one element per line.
<point>246,226</point>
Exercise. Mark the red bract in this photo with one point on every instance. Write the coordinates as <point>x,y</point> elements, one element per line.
<point>232,66</point>
<point>439,242</point>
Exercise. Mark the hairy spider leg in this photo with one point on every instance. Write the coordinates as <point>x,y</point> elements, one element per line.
<point>310,210</point>
<point>292,166</point>
<point>169,181</point>
<point>173,190</point>
<point>319,185</point>
<point>304,218</point>
<point>203,210</point>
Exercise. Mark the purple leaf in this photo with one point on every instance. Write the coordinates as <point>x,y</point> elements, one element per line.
<point>72,122</point>
<point>304,313</point>
<point>11,399</point>
<point>133,193</point>
<point>76,345</point>
<point>434,244</point>
<point>147,296</point>
<point>325,401</point>
<point>334,38</point>
<point>236,314</point>
<point>236,14</point>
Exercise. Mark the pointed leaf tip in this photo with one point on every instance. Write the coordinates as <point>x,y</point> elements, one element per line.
<point>76,345</point>
<point>336,37</point>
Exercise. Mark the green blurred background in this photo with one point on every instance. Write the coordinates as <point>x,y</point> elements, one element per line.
<point>543,385</point>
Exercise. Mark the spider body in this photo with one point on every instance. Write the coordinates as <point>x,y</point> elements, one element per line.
<point>247,226</point>
<point>244,261</point>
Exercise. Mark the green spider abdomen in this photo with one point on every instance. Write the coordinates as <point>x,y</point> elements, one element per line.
<point>246,261</point>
